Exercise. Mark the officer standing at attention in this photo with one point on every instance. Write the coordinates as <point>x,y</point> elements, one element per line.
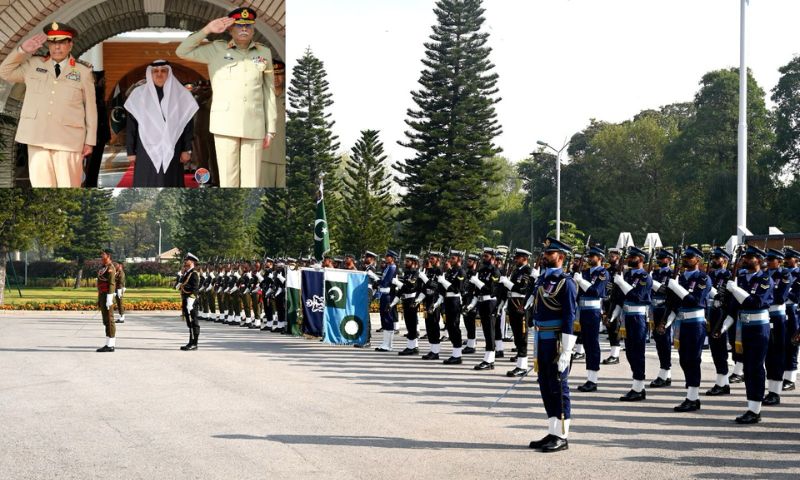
<point>106,278</point>
<point>518,285</point>
<point>485,283</point>
<point>592,290</point>
<point>188,285</point>
<point>554,305</point>
<point>662,337</point>
<point>776,351</point>
<point>451,286</point>
<point>717,342</point>
<point>58,120</point>
<point>243,110</point>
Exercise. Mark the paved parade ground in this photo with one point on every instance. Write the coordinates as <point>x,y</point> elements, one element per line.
<point>252,404</point>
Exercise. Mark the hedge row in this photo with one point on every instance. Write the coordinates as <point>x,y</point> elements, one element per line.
<point>88,306</point>
<point>52,269</point>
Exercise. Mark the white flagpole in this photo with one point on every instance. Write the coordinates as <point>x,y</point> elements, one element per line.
<point>741,191</point>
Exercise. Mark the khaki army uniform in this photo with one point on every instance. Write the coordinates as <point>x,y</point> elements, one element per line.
<point>106,284</point>
<point>243,108</point>
<point>120,289</point>
<point>58,117</point>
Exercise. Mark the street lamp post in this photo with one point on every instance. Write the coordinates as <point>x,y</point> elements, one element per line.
<point>741,196</point>
<point>158,256</point>
<point>558,183</point>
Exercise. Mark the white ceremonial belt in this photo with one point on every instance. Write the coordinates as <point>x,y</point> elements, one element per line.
<point>517,295</point>
<point>692,314</point>
<point>385,290</point>
<point>778,308</point>
<point>789,302</point>
<point>642,309</point>
<point>453,295</point>
<point>485,298</point>
<point>657,302</point>
<point>409,295</point>
<point>589,303</point>
<point>752,317</point>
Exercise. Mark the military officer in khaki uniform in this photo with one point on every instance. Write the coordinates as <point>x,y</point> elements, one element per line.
<point>106,285</point>
<point>243,109</point>
<point>58,120</point>
<point>120,290</point>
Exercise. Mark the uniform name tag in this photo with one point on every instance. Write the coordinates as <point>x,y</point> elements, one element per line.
<point>41,70</point>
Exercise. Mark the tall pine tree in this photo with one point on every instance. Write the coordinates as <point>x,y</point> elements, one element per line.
<point>311,150</point>
<point>452,131</point>
<point>271,236</point>
<point>88,219</point>
<point>366,222</point>
<point>213,223</point>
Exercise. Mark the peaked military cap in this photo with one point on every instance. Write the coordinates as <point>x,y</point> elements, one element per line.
<point>553,245</point>
<point>57,31</point>
<point>753,251</point>
<point>638,252</point>
<point>665,254</point>
<point>243,16</point>
<point>518,252</point>
<point>596,251</point>
<point>457,253</point>
<point>692,252</point>
<point>773,253</point>
<point>370,254</point>
<point>412,257</point>
<point>190,256</point>
<point>719,252</point>
<point>391,253</point>
<point>789,252</point>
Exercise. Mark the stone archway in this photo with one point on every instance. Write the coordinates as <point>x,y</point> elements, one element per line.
<point>98,20</point>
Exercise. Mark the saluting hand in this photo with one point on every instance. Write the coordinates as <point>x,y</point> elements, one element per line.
<point>219,25</point>
<point>34,43</point>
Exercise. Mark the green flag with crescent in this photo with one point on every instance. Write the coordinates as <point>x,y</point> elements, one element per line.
<point>322,243</point>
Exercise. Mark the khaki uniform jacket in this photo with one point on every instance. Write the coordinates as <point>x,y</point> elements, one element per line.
<point>243,84</point>
<point>57,113</point>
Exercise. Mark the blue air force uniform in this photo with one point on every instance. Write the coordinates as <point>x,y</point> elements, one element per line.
<point>638,284</point>
<point>776,351</point>
<point>716,308</point>
<point>792,324</point>
<point>591,292</point>
<point>388,311</point>
<point>663,341</point>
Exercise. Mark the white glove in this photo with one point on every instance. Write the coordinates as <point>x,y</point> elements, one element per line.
<point>726,324</point>
<point>738,292</point>
<point>269,292</point>
<point>615,314</point>
<point>423,277</point>
<point>119,293</point>
<point>260,277</point>
<point>582,282</point>
<point>189,304</point>
<point>444,282</point>
<point>395,301</point>
<point>567,343</point>
<point>246,291</point>
<point>177,286</point>
<point>397,283</point>
<point>529,302</point>
<point>234,289</point>
<point>670,319</point>
<point>535,274</point>
<point>238,275</point>
<point>475,281</point>
<point>622,284</point>
<point>438,302</point>
<point>281,278</point>
<point>227,290</point>
<point>278,291</point>
<point>507,282</point>
<point>472,304</point>
<point>712,293</point>
<point>374,276</point>
<point>419,299</point>
<point>272,275</point>
<point>109,300</point>
<point>677,288</point>
<point>656,285</point>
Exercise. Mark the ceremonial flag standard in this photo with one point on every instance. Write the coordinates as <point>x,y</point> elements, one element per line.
<point>322,242</point>
<point>313,301</point>
<point>346,307</point>
<point>293,281</point>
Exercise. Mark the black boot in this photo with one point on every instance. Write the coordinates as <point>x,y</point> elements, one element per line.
<point>588,387</point>
<point>772,398</point>
<point>688,406</point>
<point>633,396</point>
<point>716,391</point>
<point>556,444</point>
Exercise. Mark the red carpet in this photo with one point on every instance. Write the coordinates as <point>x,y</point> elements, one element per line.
<point>127,180</point>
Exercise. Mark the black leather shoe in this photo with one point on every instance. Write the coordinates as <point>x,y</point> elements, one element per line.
<point>787,385</point>
<point>716,391</point>
<point>185,347</point>
<point>660,382</point>
<point>430,356</point>
<point>499,354</point>
<point>105,348</point>
<point>748,418</point>
<point>771,399</point>
<point>192,347</point>
<point>688,406</point>
<point>516,372</point>
<point>484,366</point>
<point>468,350</point>
<point>538,444</point>
<point>361,345</point>
<point>633,396</point>
<point>610,361</point>
<point>119,321</point>
<point>556,444</point>
<point>513,359</point>
<point>408,351</point>
<point>379,330</point>
<point>381,349</point>
<point>733,378</point>
<point>453,361</point>
<point>508,339</point>
<point>578,356</point>
<point>588,387</point>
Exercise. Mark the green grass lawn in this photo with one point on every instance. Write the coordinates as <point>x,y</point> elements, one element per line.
<point>57,295</point>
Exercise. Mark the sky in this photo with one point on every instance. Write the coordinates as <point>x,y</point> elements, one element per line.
<point>560,62</point>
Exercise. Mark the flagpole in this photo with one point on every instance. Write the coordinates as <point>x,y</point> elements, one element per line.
<point>741,191</point>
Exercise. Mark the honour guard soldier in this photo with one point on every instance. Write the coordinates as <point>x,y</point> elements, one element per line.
<point>386,289</point>
<point>518,286</point>
<point>244,110</point>
<point>662,337</point>
<point>553,315</point>
<point>255,294</point>
<point>188,285</point>
<point>691,290</point>
<point>106,286</point>
<point>635,287</point>
<point>409,292</point>
<point>211,294</point>
<point>279,284</point>
<point>267,288</point>
<point>717,342</point>
<point>246,318</point>
<point>432,303</point>
<point>485,283</point>
<point>120,290</point>
<point>776,351</point>
<point>58,120</point>
<point>752,292</point>
<point>613,300</point>
<point>792,321</point>
<point>234,306</point>
<point>220,284</point>
<point>469,302</point>
<point>500,306</point>
<point>370,268</point>
<point>349,262</point>
<point>451,284</point>
<point>591,292</point>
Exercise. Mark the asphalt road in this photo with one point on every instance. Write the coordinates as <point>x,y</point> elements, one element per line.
<point>250,404</point>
